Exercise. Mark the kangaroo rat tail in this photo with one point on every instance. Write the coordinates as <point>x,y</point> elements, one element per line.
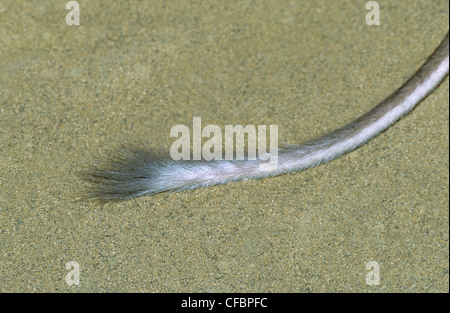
<point>134,172</point>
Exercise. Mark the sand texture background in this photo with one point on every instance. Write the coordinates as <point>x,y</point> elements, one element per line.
<point>134,69</point>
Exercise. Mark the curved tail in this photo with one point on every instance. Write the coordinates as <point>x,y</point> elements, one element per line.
<point>138,171</point>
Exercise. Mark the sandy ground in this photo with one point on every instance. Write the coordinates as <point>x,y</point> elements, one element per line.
<point>134,69</point>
